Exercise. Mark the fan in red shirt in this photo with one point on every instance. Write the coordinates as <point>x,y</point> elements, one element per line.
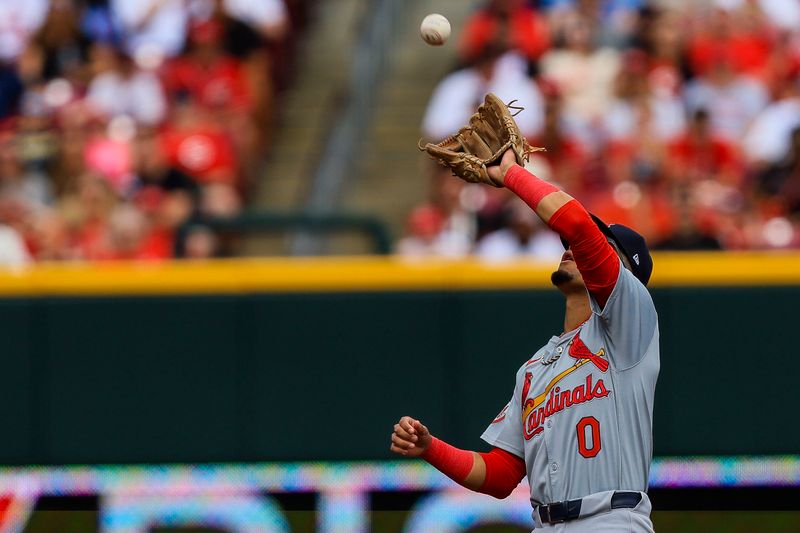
<point>510,22</point>
<point>742,39</point>
<point>217,83</point>
<point>214,79</point>
<point>700,155</point>
<point>198,146</point>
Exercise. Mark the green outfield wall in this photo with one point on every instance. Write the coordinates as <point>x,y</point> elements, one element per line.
<point>106,371</point>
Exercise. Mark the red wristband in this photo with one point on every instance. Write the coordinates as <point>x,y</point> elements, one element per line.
<point>527,186</point>
<point>452,462</point>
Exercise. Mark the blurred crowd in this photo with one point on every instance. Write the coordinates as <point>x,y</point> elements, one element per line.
<point>679,118</point>
<point>124,122</point>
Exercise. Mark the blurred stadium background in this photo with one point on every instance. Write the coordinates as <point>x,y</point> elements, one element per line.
<point>227,270</point>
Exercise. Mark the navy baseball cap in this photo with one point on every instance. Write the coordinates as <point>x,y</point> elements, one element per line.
<point>632,244</point>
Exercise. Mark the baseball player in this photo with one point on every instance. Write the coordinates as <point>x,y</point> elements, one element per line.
<point>579,422</point>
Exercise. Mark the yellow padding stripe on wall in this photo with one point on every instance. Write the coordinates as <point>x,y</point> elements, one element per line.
<point>371,274</point>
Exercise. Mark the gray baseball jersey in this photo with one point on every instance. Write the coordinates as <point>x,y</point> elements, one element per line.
<point>582,410</point>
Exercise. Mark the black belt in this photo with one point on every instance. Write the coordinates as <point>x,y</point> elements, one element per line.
<point>555,513</point>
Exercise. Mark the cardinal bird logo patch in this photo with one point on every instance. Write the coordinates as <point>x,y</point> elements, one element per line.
<point>579,350</point>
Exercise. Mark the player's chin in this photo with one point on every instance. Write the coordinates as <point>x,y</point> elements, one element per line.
<point>561,277</point>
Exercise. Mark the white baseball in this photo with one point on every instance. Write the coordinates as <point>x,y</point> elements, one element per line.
<point>435,29</point>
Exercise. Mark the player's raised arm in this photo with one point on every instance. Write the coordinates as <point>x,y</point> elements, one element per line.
<point>496,473</point>
<point>491,150</point>
<point>594,256</point>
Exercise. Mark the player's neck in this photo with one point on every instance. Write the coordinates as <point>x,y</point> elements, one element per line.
<point>578,310</point>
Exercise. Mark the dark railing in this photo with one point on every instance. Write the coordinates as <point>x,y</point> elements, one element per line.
<point>254,222</point>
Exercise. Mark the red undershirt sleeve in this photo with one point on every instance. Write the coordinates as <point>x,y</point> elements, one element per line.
<point>504,470</point>
<point>595,257</point>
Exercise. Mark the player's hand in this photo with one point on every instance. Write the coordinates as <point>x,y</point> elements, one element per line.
<point>498,172</point>
<point>410,438</point>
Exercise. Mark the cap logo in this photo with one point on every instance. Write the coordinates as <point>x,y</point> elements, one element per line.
<point>636,259</point>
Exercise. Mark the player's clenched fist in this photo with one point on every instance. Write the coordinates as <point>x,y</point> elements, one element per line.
<point>410,437</point>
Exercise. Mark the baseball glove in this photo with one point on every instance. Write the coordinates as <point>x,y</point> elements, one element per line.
<point>490,132</point>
